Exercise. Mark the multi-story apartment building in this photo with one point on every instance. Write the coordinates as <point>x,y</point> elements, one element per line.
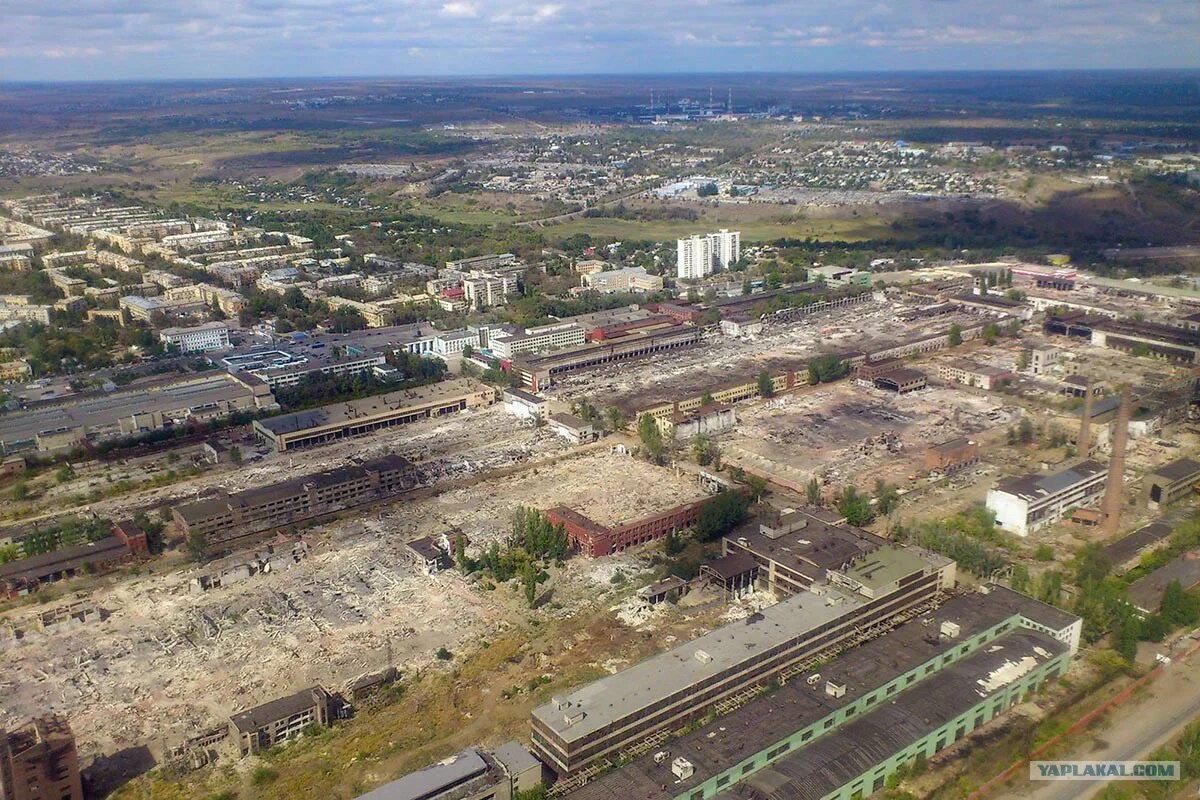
<point>631,279</point>
<point>198,338</point>
<point>487,290</point>
<point>701,255</point>
<point>482,262</point>
<point>694,257</point>
<point>1025,504</point>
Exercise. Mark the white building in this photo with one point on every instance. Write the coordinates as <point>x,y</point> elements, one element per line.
<point>198,339</point>
<point>452,343</point>
<point>693,257</point>
<point>1025,504</point>
<point>698,256</point>
<point>535,340</point>
<point>630,279</point>
<point>488,290</point>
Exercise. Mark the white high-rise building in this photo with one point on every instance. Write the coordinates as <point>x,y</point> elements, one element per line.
<point>726,247</point>
<point>698,256</point>
<point>693,257</point>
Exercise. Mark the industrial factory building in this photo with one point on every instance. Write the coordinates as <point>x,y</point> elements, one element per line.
<point>838,728</point>
<point>356,417</point>
<point>227,517</point>
<point>596,723</point>
<point>1025,504</point>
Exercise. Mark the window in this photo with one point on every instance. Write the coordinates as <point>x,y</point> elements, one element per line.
<point>723,780</point>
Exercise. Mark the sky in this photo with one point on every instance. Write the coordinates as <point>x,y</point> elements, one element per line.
<point>147,39</point>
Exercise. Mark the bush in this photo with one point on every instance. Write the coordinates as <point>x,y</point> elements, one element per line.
<point>443,654</point>
<point>262,776</point>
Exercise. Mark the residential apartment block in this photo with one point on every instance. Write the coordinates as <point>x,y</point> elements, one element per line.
<point>701,255</point>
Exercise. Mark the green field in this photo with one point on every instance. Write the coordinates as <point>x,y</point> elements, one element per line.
<point>753,231</point>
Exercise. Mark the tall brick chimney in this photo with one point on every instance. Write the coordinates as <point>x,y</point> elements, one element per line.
<point>1115,485</point>
<point>1083,442</point>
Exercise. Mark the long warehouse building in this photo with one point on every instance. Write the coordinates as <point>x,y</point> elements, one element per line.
<point>58,427</point>
<point>357,417</point>
<point>837,730</point>
<point>598,721</point>
<point>227,517</point>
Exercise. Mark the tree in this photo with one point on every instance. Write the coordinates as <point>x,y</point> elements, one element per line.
<point>990,333</point>
<point>1025,431</point>
<point>702,450</point>
<point>812,492</point>
<point>20,491</point>
<point>706,399</point>
<point>766,387</point>
<point>1023,361</point>
<point>1178,607</point>
<point>64,474</point>
<point>854,507</point>
<point>235,454</point>
<point>887,498</point>
<point>719,514</point>
<point>706,190</point>
<point>197,546</point>
<point>651,438</point>
<point>615,417</point>
<point>955,335</point>
<point>468,351</point>
<point>826,369</point>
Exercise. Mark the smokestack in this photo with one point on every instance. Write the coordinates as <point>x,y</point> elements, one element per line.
<point>1083,442</point>
<point>1113,488</point>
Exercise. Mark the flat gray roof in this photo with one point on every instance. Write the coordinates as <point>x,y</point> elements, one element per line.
<point>733,737</point>
<point>1035,487</point>
<point>97,412</point>
<point>367,407</point>
<point>834,760</point>
<point>616,696</point>
<point>433,781</point>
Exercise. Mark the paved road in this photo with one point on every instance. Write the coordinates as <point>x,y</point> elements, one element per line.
<point>1133,732</point>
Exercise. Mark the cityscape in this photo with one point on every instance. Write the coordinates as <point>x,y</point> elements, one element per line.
<point>778,432</point>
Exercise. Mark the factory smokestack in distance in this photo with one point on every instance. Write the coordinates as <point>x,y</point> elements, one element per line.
<point>1114,487</point>
<point>1083,442</point>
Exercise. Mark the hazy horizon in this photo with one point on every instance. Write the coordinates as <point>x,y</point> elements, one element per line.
<point>72,40</point>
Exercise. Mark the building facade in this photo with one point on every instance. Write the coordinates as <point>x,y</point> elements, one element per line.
<point>1025,504</point>
<point>197,339</point>
<point>228,517</point>
<point>39,762</point>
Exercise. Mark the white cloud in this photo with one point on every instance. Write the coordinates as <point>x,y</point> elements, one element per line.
<point>460,10</point>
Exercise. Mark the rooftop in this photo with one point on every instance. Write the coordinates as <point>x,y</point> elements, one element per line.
<point>616,696</point>
<point>1182,469</point>
<point>951,446</point>
<point>734,736</point>
<point>281,708</point>
<point>1037,487</point>
<point>438,781</point>
<point>1146,593</point>
<point>367,407</point>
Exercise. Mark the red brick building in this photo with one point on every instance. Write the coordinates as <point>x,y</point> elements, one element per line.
<point>593,539</point>
<point>952,455</point>
<point>132,536</point>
